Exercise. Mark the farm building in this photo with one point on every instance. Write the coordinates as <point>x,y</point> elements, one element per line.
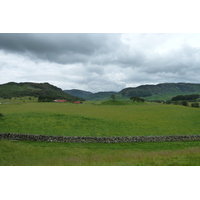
<point>60,100</point>
<point>77,102</point>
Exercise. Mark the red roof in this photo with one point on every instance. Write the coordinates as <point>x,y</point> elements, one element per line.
<point>77,102</point>
<point>60,100</point>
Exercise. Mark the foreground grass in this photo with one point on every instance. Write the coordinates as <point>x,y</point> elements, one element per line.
<point>26,153</point>
<point>99,120</point>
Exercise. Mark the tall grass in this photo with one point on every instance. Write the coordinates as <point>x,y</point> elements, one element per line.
<point>28,153</point>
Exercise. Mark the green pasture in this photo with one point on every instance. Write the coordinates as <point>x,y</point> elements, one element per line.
<point>97,119</point>
<point>27,153</point>
<point>26,99</point>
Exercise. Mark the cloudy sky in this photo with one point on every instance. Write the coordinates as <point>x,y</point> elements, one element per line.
<point>99,62</point>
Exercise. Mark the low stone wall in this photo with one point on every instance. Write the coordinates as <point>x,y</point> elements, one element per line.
<point>76,139</point>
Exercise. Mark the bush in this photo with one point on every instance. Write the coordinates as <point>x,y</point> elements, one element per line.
<point>176,102</point>
<point>196,105</point>
<point>184,103</point>
<point>138,99</point>
<point>168,102</point>
<point>1,115</point>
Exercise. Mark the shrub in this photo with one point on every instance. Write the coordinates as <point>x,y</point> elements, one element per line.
<point>184,103</point>
<point>138,99</point>
<point>112,97</point>
<point>1,115</point>
<point>196,105</point>
<point>168,102</point>
<point>175,102</point>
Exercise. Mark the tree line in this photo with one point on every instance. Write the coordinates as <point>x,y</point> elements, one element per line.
<point>190,97</point>
<point>183,100</point>
<point>133,98</point>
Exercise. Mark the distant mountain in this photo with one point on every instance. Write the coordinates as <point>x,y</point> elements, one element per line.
<point>44,91</point>
<point>78,93</point>
<point>163,91</point>
<point>99,96</point>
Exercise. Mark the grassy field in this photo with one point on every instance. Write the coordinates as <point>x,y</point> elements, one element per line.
<point>28,153</point>
<point>26,99</point>
<point>99,120</point>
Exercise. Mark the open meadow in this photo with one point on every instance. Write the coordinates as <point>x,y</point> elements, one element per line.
<point>97,119</point>
<point>89,119</point>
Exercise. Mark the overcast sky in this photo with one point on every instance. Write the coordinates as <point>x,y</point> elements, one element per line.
<point>99,62</point>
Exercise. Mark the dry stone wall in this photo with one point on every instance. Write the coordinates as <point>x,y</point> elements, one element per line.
<point>76,139</point>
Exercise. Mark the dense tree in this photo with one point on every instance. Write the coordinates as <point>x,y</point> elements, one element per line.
<point>190,97</point>
<point>184,103</point>
<point>196,105</point>
<point>112,97</point>
<point>138,99</point>
<point>168,102</point>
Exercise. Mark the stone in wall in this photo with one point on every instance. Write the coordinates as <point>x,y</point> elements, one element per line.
<point>127,139</point>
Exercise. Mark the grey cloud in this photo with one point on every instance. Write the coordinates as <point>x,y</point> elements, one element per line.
<point>175,61</point>
<point>102,84</point>
<point>132,59</point>
<point>98,49</point>
<point>177,65</point>
<point>60,48</point>
<point>48,43</point>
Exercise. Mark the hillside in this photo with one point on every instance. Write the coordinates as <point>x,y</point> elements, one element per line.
<point>163,91</point>
<point>41,90</point>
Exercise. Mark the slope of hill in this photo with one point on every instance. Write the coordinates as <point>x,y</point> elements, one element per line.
<point>41,90</point>
<point>78,93</point>
<point>163,91</point>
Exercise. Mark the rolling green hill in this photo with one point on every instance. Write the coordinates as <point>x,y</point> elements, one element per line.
<point>163,91</point>
<point>41,90</point>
